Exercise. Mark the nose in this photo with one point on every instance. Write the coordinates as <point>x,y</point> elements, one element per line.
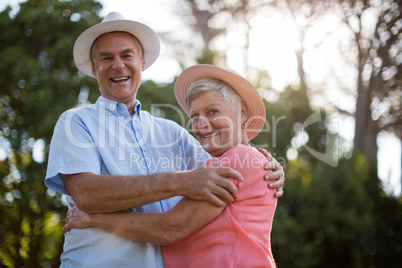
<point>203,122</point>
<point>118,63</point>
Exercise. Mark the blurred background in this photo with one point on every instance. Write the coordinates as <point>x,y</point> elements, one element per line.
<point>330,76</point>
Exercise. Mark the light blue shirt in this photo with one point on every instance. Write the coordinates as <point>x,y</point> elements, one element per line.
<point>104,139</point>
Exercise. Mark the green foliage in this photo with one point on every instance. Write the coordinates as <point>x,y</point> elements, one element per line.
<point>38,82</point>
<point>328,217</point>
<point>207,57</point>
<point>160,101</point>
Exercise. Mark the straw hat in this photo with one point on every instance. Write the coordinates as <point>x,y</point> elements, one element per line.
<point>113,22</point>
<point>246,90</point>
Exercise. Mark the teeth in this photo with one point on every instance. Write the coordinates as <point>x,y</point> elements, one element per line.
<point>120,79</point>
<point>210,135</point>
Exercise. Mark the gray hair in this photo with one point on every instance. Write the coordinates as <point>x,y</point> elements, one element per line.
<point>138,43</point>
<point>217,85</point>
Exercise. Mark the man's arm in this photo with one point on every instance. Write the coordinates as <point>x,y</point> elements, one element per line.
<point>106,193</point>
<point>187,217</point>
<point>277,176</point>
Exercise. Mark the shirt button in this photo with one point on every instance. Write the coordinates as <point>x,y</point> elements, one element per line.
<point>112,107</point>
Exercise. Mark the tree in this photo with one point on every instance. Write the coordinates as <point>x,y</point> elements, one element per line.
<point>39,82</point>
<point>378,80</point>
<point>329,216</point>
<point>379,72</point>
<point>215,18</point>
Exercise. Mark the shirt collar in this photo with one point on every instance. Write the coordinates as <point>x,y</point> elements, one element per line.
<point>112,105</point>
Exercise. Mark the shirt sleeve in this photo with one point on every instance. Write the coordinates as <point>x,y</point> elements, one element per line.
<point>224,162</point>
<point>72,151</point>
<point>250,163</point>
<point>246,160</point>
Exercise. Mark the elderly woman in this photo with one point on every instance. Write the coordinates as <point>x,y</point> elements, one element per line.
<point>226,112</point>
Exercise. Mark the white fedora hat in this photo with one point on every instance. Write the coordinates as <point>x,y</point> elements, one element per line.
<point>114,22</point>
<point>246,90</point>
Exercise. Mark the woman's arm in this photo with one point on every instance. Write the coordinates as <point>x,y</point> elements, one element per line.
<point>109,193</point>
<point>187,217</point>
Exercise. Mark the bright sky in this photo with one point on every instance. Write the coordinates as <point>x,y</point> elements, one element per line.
<point>273,53</point>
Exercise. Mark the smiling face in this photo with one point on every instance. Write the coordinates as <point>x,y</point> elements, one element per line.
<point>117,63</point>
<point>216,123</point>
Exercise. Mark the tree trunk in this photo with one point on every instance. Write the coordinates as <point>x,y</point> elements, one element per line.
<point>365,140</point>
<point>56,260</point>
<point>299,56</point>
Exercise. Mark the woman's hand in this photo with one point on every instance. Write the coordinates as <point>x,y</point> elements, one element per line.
<point>277,176</point>
<point>76,219</point>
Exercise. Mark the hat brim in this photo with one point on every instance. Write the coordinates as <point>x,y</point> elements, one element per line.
<point>145,35</point>
<point>246,90</point>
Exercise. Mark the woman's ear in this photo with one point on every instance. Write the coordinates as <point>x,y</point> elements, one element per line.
<point>244,113</point>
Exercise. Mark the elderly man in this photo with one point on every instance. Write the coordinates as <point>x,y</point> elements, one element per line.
<point>113,156</point>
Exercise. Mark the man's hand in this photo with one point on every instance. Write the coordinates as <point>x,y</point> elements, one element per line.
<point>277,176</point>
<point>76,219</point>
<point>210,184</point>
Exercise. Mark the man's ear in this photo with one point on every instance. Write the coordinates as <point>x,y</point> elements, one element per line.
<point>93,69</point>
<point>143,64</point>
